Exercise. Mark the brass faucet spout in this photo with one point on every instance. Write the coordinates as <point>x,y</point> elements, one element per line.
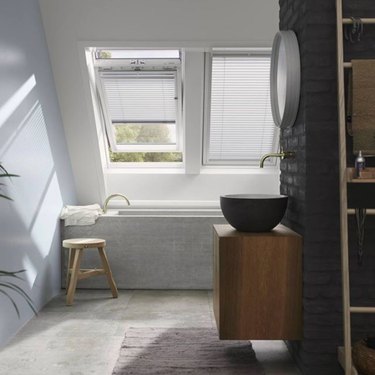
<point>113,196</point>
<point>282,155</point>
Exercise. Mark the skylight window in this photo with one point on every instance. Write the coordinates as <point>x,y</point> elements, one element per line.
<point>239,127</point>
<point>140,94</point>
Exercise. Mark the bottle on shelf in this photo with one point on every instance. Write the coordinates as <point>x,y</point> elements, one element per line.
<point>359,164</point>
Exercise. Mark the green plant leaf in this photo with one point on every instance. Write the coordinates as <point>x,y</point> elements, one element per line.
<point>12,273</point>
<point>20,291</point>
<point>8,175</point>
<point>11,300</point>
<point>15,288</point>
<point>4,196</point>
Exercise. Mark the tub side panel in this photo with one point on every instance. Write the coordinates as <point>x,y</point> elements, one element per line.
<point>149,252</point>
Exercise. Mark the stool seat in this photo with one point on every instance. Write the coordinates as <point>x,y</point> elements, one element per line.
<point>83,243</point>
<point>76,247</point>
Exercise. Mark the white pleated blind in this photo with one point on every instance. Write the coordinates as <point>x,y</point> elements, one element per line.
<point>240,126</point>
<point>138,97</point>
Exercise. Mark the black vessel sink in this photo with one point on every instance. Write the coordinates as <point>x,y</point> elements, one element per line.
<point>253,212</point>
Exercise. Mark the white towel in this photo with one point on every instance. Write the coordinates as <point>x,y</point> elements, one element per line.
<point>80,215</point>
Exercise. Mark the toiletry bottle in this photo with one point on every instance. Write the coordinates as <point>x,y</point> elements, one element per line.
<point>359,164</point>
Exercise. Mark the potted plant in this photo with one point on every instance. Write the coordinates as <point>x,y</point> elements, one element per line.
<point>7,277</point>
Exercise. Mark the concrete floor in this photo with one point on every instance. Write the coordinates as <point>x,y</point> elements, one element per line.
<point>86,337</point>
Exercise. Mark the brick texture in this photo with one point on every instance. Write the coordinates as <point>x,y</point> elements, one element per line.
<point>312,183</point>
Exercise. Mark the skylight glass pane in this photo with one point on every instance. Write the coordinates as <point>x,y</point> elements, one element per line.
<point>241,126</point>
<point>137,54</point>
<point>141,98</point>
<point>155,134</point>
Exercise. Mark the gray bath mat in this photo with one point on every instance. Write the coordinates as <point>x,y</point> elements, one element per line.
<point>196,351</point>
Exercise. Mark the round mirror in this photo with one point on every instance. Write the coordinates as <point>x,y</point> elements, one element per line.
<point>285,78</point>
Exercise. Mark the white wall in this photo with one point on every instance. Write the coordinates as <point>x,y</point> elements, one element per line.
<point>72,24</point>
<point>32,145</point>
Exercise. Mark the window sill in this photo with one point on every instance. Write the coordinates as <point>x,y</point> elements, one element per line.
<point>253,170</point>
<point>144,170</point>
<point>272,170</point>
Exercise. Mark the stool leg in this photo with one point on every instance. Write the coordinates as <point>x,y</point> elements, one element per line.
<point>69,270</point>
<point>108,272</point>
<point>74,276</point>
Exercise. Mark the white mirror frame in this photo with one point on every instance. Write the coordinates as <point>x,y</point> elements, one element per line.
<point>285,78</point>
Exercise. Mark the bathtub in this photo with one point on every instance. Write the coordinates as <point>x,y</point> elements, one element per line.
<point>166,212</point>
<point>152,248</point>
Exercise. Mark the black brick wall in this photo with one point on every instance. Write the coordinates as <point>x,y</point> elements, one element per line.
<point>312,183</point>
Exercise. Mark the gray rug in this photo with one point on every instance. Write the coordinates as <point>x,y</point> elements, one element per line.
<point>184,351</point>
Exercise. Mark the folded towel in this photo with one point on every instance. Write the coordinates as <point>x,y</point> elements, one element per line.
<point>80,215</point>
<point>363,116</point>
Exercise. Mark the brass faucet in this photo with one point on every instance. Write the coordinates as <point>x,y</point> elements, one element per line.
<point>282,155</point>
<point>112,196</point>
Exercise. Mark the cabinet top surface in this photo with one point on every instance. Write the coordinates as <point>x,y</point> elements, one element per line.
<point>226,230</point>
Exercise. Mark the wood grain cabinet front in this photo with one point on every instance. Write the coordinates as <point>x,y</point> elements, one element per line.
<point>258,284</point>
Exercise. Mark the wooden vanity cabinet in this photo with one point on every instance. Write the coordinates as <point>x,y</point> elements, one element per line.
<point>258,284</point>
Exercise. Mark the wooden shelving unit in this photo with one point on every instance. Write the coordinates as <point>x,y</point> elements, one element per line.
<point>346,176</point>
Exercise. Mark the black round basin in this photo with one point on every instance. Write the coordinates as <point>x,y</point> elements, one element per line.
<point>253,212</point>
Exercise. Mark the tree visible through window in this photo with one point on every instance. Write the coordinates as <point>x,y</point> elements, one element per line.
<point>144,133</point>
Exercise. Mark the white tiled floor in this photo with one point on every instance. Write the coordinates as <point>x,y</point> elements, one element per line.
<point>85,338</point>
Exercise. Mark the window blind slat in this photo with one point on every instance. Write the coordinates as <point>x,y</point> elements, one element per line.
<point>141,99</point>
<point>241,126</point>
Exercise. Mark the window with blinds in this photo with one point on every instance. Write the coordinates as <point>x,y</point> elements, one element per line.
<point>239,127</point>
<point>142,107</point>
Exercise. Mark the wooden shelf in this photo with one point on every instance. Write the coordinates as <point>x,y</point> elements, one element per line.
<point>368,176</point>
<point>365,21</point>
<point>360,191</point>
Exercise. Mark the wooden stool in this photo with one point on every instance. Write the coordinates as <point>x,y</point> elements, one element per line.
<point>75,273</point>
